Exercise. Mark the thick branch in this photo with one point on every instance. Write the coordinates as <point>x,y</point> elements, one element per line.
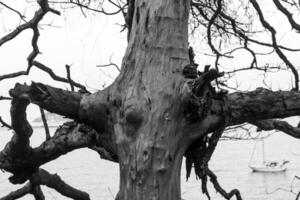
<point>262,104</point>
<point>55,100</point>
<point>18,193</point>
<point>91,109</point>
<point>42,177</point>
<point>255,107</point>
<point>283,126</point>
<point>19,144</point>
<point>68,137</point>
<point>38,193</point>
<point>55,182</point>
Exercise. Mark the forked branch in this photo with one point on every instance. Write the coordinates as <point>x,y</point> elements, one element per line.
<point>42,177</point>
<point>217,186</point>
<point>283,126</point>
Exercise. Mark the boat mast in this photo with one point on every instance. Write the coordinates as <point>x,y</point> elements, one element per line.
<point>263,151</point>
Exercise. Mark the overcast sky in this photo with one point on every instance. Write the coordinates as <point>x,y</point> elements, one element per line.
<point>71,39</point>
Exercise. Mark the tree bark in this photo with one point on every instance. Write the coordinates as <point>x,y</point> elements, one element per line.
<point>149,126</point>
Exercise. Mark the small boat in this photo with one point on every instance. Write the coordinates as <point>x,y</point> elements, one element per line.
<point>267,166</point>
<point>296,153</point>
<point>270,166</point>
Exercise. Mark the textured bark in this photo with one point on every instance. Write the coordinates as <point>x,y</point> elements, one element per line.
<point>20,159</point>
<point>148,130</point>
<point>42,177</point>
<point>68,137</point>
<point>283,126</point>
<point>38,193</point>
<point>18,147</point>
<point>262,104</point>
<point>55,100</point>
<point>89,108</point>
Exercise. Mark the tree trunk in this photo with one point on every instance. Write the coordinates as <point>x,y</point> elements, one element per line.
<point>149,128</point>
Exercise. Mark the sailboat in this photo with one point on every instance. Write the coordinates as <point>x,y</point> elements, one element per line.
<point>267,166</point>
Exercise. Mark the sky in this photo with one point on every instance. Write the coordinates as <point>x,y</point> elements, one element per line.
<point>85,42</point>
<point>71,39</point>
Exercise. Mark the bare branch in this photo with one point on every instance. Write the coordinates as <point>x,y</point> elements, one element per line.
<point>217,186</point>
<point>18,193</point>
<point>69,77</point>
<point>53,99</point>
<point>210,23</point>
<point>87,7</point>
<point>275,45</point>
<point>283,126</point>
<point>22,17</point>
<point>55,77</point>
<point>55,182</point>
<point>5,98</point>
<point>289,16</point>
<point>66,139</point>
<point>45,123</point>
<point>262,104</point>
<point>32,24</point>
<point>42,177</point>
<point>38,193</point>
<point>4,124</point>
<point>45,69</point>
<point>110,64</point>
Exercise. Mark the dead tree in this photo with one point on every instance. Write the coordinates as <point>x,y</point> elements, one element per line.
<point>159,109</point>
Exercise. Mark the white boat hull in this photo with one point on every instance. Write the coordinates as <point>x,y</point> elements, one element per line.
<point>265,168</point>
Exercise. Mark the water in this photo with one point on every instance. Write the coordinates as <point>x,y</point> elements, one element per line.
<point>84,170</point>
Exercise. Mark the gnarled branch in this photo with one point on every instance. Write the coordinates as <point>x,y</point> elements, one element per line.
<point>283,126</point>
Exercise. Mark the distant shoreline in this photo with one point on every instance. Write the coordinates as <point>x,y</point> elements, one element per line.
<point>42,126</point>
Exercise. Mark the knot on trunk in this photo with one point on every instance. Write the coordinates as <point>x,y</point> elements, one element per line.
<point>134,117</point>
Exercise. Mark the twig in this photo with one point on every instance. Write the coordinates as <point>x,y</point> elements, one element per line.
<point>69,77</point>
<point>4,124</point>
<point>280,54</point>
<point>110,64</point>
<point>5,98</point>
<point>45,69</point>
<point>45,123</point>
<point>32,24</point>
<point>14,10</point>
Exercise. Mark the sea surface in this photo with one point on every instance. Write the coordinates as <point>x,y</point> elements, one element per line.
<point>85,170</point>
